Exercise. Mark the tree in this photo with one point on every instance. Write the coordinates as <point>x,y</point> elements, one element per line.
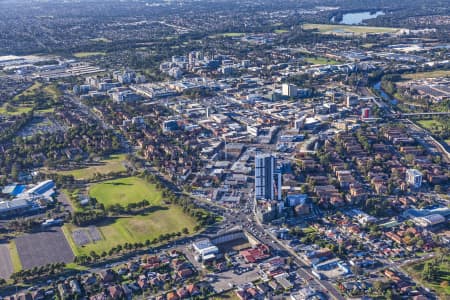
<point>378,286</point>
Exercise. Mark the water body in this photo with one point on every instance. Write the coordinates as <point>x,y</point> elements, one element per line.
<point>359,17</point>
<point>386,97</point>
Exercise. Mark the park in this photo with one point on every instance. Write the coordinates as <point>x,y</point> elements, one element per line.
<point>151,223</point>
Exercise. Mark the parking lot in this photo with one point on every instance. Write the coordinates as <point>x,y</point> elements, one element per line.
<point>225,280</point>
<point>6,267</point>
<point>41,248</point>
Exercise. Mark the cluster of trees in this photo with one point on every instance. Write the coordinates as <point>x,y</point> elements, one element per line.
<point>364,141</point>
<point>376,206</point>
<point>203,217</point>
<point>431,269</point>
<point>84,218</point>
<point>38,272</point>
<point>197,93</point>
<point>42,149</point>
<point>130,207</point>
<point>22,225</point>
<point>7,134</point>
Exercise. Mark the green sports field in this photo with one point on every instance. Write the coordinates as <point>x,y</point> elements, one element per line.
<point>88,54</point>
<point>321,61</point>
<point>133,229</point>
<point>124,191</point>
<point>345,29</point>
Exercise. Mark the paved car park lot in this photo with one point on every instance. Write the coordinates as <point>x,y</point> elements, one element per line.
<point>45,247</point>
<point>6,267</point>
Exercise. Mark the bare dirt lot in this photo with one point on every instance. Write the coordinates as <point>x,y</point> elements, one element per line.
<point>38,249</point>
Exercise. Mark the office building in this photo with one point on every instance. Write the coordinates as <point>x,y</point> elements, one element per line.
<point>289,90</point>
<point>414,178</point>
<point>267,178</point>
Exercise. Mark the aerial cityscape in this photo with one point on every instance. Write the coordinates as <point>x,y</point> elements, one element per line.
<point>224,149</point>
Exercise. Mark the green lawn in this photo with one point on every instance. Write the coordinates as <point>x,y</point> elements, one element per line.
<point>125,190</point>
<point>101,40</point>
<point>431,125</point>
<point>422,75</point>
<point>14,110</point>
<point>29,91</point>
<point>367,45</point>
<point>52,91</point>
<point>443,274</point>
<point>428,124</point>
<point>88,54</point>
<point>114,163</point>
<point>15,258</point>
<point>281,31</point>
<point>343,29</point>
<point>228,34</point>
<point>321,61</point>
<point>132,229</point>
<point>230,295</point>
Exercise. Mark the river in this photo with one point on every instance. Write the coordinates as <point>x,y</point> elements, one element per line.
<point>386,97</point>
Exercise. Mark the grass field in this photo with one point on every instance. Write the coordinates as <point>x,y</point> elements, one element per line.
<point>114,163</point>
<point>443,275</point>
<point>88,54</point>
<point>101,40</point>
<point>367,45</point>
<point>15,258</point>
<point>428,124</point>
<point>321,61</point>
<point>52,91</point>
<point>281,31</point>
<point>422,75</point>
<point>134,229</point>
<point>230,295</point>
<point>125,190</point>
<point>16,110</point>
<point>228,34</point>
<point>344,29</point>
<point>29,91</point>
<point>431,125</point>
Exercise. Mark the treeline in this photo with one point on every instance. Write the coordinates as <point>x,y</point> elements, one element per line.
<point>51,150</point>
<point>129,208</point>
<point>202,216</point>
<point>100,212</point>
<point>38,272</point>
<point>94,257</point>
